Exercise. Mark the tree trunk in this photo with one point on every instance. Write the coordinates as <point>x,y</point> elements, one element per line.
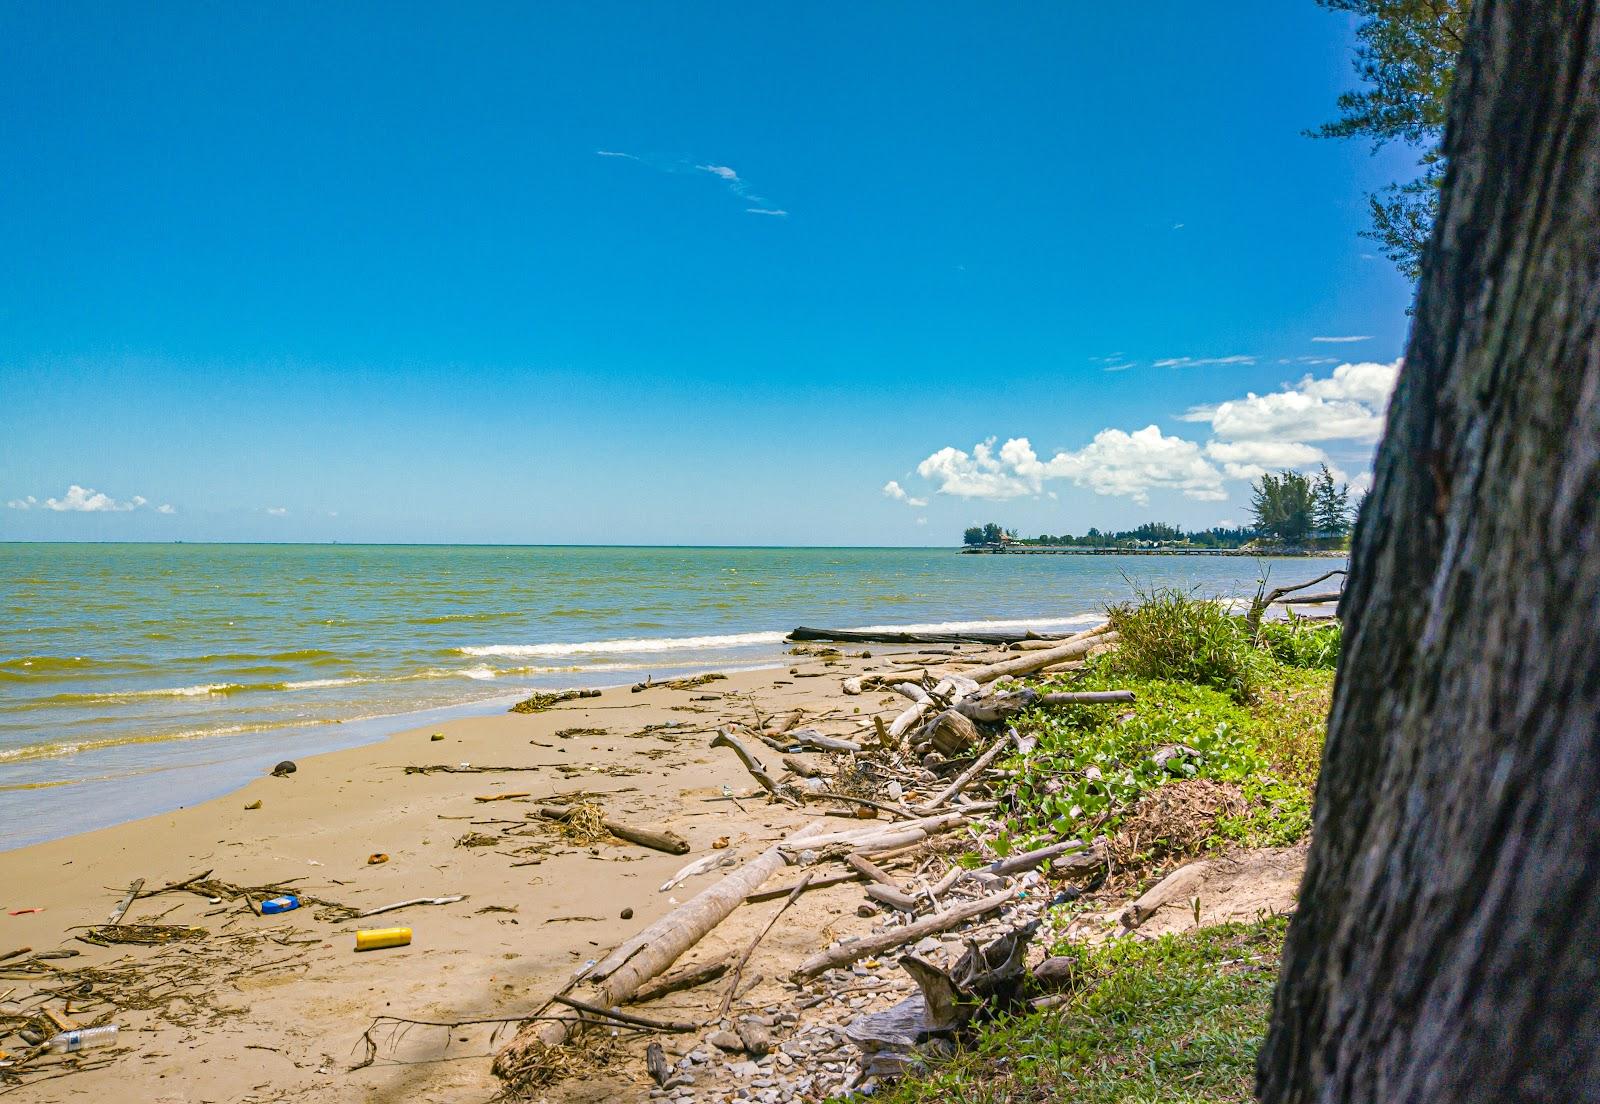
<point>1447,945</point>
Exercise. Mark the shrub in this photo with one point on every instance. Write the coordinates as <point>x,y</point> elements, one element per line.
<point>1171,635</point>
<point>1300,643</point>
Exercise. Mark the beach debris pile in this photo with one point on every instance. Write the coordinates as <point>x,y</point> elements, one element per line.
<point>949,944</point>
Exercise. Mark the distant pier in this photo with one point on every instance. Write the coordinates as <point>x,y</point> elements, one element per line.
<point>1014,550</point>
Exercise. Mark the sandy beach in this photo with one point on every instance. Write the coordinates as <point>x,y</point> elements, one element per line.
<point>274,1007</point>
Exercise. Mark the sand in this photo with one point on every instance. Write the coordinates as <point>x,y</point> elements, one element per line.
<point>288,1012</point>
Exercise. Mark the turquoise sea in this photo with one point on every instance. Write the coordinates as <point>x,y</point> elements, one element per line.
<point>136,678</point>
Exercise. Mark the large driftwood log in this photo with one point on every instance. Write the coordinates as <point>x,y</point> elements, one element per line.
<point>846,953</point>
<point>625,970</point>
<point>852,636</point>
<point>1181,883</point>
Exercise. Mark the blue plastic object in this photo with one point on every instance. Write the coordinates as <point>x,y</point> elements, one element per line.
<point>287,903</point>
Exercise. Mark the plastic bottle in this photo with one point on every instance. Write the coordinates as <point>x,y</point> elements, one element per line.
<point>372,939</point>
<point>287,903</point>
<point>83,1039</point>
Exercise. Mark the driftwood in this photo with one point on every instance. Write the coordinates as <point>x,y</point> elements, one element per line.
<point>1028,662</point>
<point>625,970</point>
<point>656,1065</point>
<point>997,707</point>
<point>894,897</point>
<point>801,767</point>
<point>1084,858</point>
<point>777,789</point>
<point>964,779</point>
<point>846,953</point>
<point>670,842</point>
<point>1262,600</point>
<point>815,883</point>
<point>687,978</point>
<point>950,733</point>
<point>541,701</point>
<point>851,636</point>
<point>738,968</point>
<point>408,904</point>
<point>810,737</point>
<point>1180,883</point>
<point>667,1026</point>
<point>126,903</point>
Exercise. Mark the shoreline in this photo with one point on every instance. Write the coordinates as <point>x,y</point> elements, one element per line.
<point>285,1000</point>
<point>214,780</point>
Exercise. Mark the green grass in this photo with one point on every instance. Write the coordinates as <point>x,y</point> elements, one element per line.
<point>1300,643</point>
<point>1093,763</point>
<point>1173,1021</point>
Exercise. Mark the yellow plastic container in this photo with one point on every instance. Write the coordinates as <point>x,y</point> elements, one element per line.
<point>371,939</point>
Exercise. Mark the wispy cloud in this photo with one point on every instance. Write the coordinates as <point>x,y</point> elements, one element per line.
<point>1343,340</point>
<point>1201,362</point>
<point>278,511</point>
<point>23,503</point>
<point>165,508</point>
<point>1118,367</point>
<point>727,174</point>
<point>1177,226</point>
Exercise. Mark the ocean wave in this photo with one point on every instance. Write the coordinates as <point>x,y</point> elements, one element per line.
<point>64,748</point>
<point>618,647</point>
<point>751,639</point>
<point>202,690</point>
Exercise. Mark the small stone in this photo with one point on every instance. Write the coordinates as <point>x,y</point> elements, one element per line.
<point>682,1080</point>
<point>627,914</point>
<point>784,1059</point>
<point>725,1040</point>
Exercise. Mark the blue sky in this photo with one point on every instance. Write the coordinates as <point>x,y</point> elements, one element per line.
<point>503,273</point>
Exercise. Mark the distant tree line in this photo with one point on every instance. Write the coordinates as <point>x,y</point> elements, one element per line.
<point>1288,507</point>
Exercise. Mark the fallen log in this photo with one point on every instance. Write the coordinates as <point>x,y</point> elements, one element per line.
<point>810,737</point>
<point>997,707</point>
<point>1029,662</point>
<point>1181,883</point>
<point>689,977</point>
<point>1091,856</point>
<point>846,953</point>
<point>888,636</point>
<point>895,898</point>
<point>815,883</point>
<point>670,842</point>
<point>624,971</point>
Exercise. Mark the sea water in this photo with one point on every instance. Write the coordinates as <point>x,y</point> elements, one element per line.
<point>135,678</point>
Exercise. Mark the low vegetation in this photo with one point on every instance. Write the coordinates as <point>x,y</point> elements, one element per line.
<point>1220,749</point>
<point>1175,1021</point>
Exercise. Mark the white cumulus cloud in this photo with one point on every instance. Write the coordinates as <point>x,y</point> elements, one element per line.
<point>1114,463</point>
<point>165,508</point>
<point>892,489</point>
<point>1348,405</point>
<point>23,503</point>
<point>1250,435</point>
<point>89,501</point>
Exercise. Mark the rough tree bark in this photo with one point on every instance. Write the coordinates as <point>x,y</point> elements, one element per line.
<point>1447,945</point>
